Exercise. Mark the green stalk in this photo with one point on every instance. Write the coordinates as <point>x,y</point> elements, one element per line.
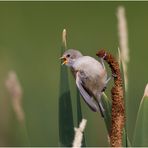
<point>79,116</point>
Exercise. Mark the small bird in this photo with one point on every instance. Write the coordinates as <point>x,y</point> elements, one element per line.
<point>90,75</point>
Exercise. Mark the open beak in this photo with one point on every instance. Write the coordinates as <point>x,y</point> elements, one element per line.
<point>64,60</point>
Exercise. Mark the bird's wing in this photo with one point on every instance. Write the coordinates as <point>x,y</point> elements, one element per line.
<point>87,98</point>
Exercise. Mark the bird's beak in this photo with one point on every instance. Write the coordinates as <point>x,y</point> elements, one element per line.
<point>64,60</point>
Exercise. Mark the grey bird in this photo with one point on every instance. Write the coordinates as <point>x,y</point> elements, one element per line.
<point>90,75</point>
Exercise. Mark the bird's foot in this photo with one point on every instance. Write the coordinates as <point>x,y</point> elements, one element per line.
<point>114,75</point>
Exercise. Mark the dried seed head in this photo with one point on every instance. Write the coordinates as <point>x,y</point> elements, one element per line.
<point>146,91</point>
<point>118,113</point>
<point>123,41</point>
<point>64,38</point>
<point>122,32</point>
<point>14,88</point>
<point>13,85</point>
<point>77,143</point>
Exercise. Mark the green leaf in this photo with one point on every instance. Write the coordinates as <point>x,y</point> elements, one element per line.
<point>66,125</point>
<point>125,140</point>
<point>141,128</point>
<point>107,116</point>
<point>79,116</point>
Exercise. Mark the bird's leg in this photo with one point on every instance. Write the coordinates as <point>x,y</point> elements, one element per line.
<point>102,62</point>
<point>108,80</point>
<point>114,75</point>
<point>106,83</point>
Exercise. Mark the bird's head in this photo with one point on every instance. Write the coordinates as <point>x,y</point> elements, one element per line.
<point>70,56</point>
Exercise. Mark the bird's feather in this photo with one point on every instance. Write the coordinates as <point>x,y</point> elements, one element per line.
<point>87,98</point>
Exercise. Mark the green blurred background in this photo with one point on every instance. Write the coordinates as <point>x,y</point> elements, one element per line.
<point>30,43</point>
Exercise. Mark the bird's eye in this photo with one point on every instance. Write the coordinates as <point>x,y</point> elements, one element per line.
<point>68,56</point>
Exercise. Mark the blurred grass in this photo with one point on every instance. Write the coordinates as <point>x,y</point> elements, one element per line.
<point>29,43</point>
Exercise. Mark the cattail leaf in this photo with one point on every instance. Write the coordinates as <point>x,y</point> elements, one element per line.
<point>141,128</point>
<point>79,116</point>
<point>79,111</point>
<point>125,140</point>
<point>107,116</point>
<point>66,125</point>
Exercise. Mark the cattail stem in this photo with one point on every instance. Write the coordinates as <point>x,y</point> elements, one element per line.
<point>118,113</point>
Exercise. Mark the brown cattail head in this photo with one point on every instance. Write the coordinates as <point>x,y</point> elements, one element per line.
<point>113,65</point>
<point>118,115</point>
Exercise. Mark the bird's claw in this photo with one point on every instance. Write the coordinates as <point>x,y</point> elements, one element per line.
<point>104,56</point>
<point>114,75</point>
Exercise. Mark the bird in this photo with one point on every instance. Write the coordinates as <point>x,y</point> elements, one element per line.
<point>90,75</point>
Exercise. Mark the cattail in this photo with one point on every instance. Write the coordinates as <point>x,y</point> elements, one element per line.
<point>79,134</point>
<point>118,113</point>
<point>146,91</point>
<point>64,38</point>
<point>14,88</point>
<point>123,42</point>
